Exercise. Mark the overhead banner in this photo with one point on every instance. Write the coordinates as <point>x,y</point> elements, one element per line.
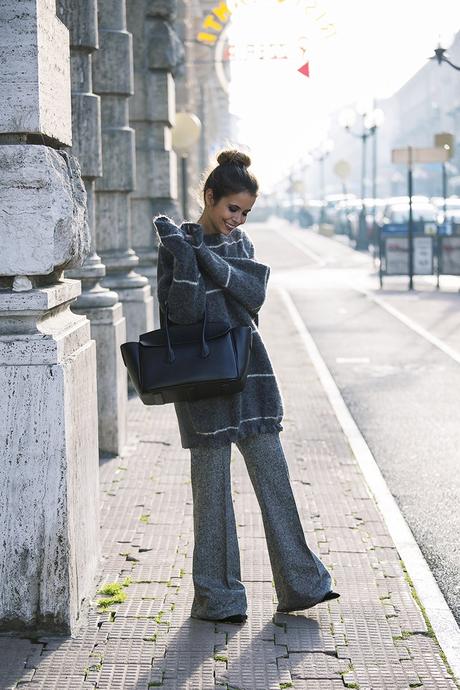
<point>265,30</point>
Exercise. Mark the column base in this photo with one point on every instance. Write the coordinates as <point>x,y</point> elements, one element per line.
<point>49,488</point>
<point>108,328</point>
<point>138,310</point>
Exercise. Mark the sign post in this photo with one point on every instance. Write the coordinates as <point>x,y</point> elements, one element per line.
<point>409,156</point>
<point>410,227</point>
<point>446,141</point>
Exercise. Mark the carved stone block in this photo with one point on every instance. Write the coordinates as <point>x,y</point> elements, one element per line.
<point>35,73</point>
<point>43,226</point>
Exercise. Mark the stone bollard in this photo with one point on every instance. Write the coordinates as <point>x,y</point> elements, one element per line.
<point>49,488</point>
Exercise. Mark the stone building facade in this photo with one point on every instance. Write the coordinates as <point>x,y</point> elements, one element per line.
<point>90,89</point>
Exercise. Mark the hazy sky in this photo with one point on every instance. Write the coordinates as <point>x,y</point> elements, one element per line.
<point>375,48</point>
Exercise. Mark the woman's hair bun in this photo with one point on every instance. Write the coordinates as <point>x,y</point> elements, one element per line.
<point>233,157</point>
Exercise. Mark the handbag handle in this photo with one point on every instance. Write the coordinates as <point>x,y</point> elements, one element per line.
<point>204,345</point>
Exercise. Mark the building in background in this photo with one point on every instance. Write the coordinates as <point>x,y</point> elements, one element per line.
<point>425,105</point>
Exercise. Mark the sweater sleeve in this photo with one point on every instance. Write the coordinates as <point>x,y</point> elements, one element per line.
<point>244,278</point>
<point>179,281</point>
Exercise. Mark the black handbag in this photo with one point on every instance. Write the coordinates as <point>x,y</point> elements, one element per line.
<point>188,362</point>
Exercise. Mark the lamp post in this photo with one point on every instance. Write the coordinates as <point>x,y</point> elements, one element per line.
<point>343,169</point>
<point>185,134</point>
<point>372,118</point>
<point>320,154</point>
<point>445,140</point>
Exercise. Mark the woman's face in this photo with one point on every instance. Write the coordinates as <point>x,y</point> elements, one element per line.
<point>228,212</point>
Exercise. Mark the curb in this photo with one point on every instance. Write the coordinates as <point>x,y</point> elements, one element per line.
<point>439,614</point>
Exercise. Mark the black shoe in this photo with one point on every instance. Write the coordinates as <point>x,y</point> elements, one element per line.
<point>237,618</point>
<point>330,595</point>
<point>327,596</point>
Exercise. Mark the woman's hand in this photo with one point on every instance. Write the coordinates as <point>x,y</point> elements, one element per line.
<point>194,233</point>
<point>171,237</point>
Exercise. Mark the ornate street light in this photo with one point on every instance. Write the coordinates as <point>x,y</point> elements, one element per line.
<point>440,56</point>
<point>320,154</point>
<point>372,118</point>
<point>185,134</point>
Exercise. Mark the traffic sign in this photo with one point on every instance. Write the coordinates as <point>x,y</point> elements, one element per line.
<point>342,169</point>
<point>445,140</point>
<point>411,155</point>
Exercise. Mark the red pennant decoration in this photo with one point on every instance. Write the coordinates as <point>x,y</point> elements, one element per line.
<point>305,69</point>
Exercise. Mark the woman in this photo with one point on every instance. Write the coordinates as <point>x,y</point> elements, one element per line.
<point>211,263</point>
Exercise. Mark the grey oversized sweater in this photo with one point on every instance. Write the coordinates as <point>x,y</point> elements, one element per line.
<point>220,271</point>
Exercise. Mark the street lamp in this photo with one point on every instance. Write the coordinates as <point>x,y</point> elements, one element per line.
<point>185,134</point>
<point>372,118</point>
<point>440,56</point>
<point>320,154</point>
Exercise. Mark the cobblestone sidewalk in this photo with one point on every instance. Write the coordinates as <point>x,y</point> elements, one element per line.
<point>373,637</point>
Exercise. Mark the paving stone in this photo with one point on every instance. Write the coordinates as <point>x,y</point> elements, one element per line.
<point>409,615</point>
<point>18,660</point>
<point>58,681</point>
<point>117,675</point>
<point>154,573</point>
<point>257,674</point>
<point>315,665</point>
<point>195,637</point>
<point>389,676</point>
<point>318,684</point>
<point>427,661</point>
<point>192,669</point>
<point>308,638</point>
<point>130,628</point>
<point>252,661</point>
<point>127,651</point>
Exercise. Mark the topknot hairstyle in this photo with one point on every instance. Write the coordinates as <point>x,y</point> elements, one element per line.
<point>231,176</point>
<point>232,156</point>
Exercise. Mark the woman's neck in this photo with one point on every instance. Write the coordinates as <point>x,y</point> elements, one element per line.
<point>207,227</point>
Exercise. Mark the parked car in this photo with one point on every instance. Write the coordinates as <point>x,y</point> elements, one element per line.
<point>372,206</point>
<point>394,217</point>
<point>449,225</point>
<point>336,212</point>
<point>345,216</point>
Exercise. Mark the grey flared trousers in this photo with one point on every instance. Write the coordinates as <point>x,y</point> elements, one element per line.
<point>301,580</point>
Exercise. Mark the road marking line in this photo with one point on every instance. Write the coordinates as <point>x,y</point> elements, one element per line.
<point>433,339</point>
<point>440,616</point>
<point>300,245</point>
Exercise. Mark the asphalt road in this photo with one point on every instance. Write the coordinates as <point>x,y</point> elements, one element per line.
<point>402,390</point>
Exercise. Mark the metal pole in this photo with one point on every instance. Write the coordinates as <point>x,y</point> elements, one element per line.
<point>322,214</point>
<point>362,237</point>
<point>410,227</point>
<point>184,187</point>
<point>374,183</point>
<point>444,221</point>
<point>444,194</point>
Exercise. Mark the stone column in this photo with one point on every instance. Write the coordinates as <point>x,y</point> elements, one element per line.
<point>113,80</point>
<point>157,53</point>
<point>49,486</point>
<point>101,305</point>
<point>189,97</point>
